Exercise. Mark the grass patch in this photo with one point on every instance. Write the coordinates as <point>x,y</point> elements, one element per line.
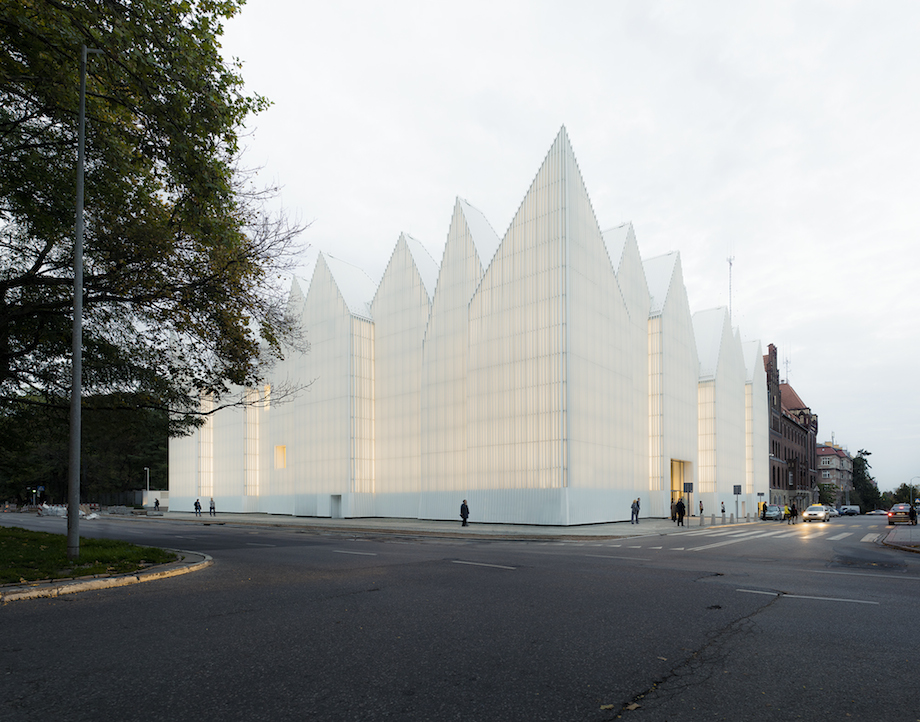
<point>30,556</point>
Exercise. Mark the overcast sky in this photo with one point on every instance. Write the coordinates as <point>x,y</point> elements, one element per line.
<point>784,135</point>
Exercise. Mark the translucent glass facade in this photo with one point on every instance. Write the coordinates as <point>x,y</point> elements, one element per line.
<point>549,376</point>
<point>722,403</point>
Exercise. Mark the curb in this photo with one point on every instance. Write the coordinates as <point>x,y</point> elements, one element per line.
<point>902,547</point>
<point>56,589</point>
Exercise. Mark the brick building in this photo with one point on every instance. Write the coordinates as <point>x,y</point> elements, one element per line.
<point>793,441</point>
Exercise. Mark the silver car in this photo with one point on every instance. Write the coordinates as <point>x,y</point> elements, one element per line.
<point>773,512</point>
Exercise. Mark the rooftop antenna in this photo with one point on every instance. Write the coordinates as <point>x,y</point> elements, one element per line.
<point>787,363</point>
<point>730,260</point>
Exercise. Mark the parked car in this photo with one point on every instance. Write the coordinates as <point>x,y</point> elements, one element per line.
<point>877,512</point>
<point>849,510</point>
<point>773,513</point>
<point>832,511</point>
<point>899,513</point>
<point>816,512</point>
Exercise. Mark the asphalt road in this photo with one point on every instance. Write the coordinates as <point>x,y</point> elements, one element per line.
<point>759,622</point>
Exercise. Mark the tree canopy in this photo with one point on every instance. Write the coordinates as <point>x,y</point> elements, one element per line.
<point>865,488</point>
<point>182,261</point>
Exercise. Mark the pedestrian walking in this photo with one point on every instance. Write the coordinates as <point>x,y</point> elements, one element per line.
<point>156,504</point>
<point>793,513</point>
<point>681,511</point>
<point>464,513</point>
<point>197,507</point>
<point>723,507</point>
<point>673,511</point>
<point>701,507</point>
<point>213,511</point>
<point>912,514</point>
<point>634,516</point>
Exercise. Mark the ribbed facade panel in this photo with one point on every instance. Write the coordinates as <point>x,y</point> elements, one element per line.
<point>679,381</point>
<point>445,357</point>
<point>400,310</point>
<point>517,342</point>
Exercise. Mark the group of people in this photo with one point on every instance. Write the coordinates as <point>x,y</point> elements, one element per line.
<point>679,511</point>
<point>213,511</point>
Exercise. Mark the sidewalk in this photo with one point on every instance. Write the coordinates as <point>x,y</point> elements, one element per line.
<point>903,536</point>
<point>453,529</point>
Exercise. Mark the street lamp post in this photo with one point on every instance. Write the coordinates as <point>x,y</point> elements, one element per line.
<point>76,392</point>
<point>147,471</point>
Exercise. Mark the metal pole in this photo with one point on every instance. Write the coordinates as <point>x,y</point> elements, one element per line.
<point>147,470</point>
<point>76,392</point>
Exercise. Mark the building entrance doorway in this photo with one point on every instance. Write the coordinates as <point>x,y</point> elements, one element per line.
<point>679,474</point>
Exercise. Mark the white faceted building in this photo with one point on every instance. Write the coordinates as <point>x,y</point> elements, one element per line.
<point>549,377</point>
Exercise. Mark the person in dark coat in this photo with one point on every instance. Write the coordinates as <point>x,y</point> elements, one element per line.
<point>197,507</point>
<point>464,513</point>
<point>681,509</point>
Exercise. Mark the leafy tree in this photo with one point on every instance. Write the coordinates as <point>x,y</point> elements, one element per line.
<point>866,491</point>
<point>827,494</point>
<point>181,293</point>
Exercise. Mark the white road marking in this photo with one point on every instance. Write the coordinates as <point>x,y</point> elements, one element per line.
<point>480,564</point>
<point>870,538</point>
<point>733,541</point>
<point>860,574</point>
<point>614,556</point>
<point>838,537</point>
<point>256,544</point>
<point>802,596</point>
<point>363,554</point>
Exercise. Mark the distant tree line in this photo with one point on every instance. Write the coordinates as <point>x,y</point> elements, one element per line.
<point>119,441</point>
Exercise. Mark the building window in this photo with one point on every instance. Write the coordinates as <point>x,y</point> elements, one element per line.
<point>280,457</point>
<point>825,474</point>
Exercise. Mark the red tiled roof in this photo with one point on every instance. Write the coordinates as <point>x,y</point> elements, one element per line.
<point>790,399</point>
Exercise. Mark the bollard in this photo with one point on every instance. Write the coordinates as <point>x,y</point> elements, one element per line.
<point>731,518</point>
<point>713,522</point>
<point>723,517</point>
<point>702,520</point>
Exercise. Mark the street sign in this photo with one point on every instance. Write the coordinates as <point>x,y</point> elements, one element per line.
<point>737,489</point>
<point>688,487</point>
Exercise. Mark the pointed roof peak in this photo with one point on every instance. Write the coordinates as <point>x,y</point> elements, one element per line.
<point>355,286</point>
<point>484,237</point>
<point>659,274</point>
<point>426,266</point>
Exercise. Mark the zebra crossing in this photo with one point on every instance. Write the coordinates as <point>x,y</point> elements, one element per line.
<point>714,537</point>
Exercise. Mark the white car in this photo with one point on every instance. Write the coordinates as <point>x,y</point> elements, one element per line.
<point>816,512</point>
<point>832,511</point>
